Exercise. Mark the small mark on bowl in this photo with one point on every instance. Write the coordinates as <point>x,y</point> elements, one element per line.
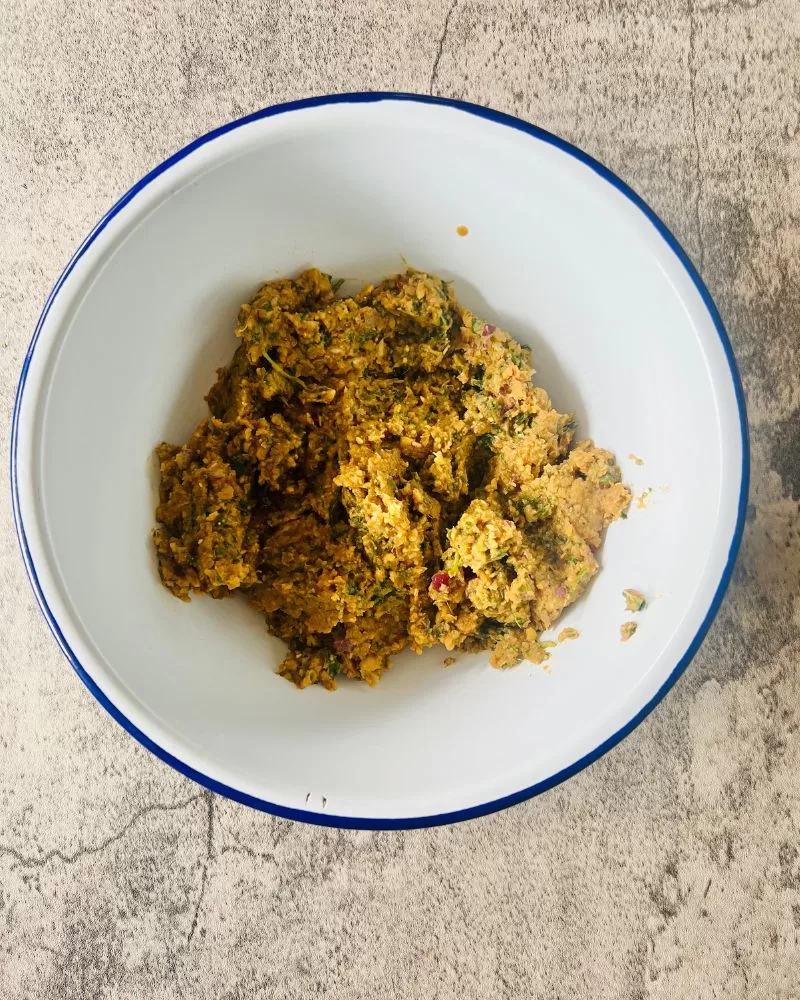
<point>462,230</point>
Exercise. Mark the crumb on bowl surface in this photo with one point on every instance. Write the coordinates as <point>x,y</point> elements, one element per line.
<point>627,630</point>
<point>379,472</point>
<point>634,600</point>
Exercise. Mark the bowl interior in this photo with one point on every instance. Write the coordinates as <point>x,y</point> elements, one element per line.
<point>556,255</point>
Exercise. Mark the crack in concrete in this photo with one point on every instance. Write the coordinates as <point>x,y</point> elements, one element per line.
<point>241,847</point>
<point>698,193</point>
<point>209,855</point>
<point>719,8</point>
<point>69,859</point>
<point>187,58</point>
<point>440,49</point>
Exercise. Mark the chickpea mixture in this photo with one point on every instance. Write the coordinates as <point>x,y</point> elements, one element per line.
<point>379,472</point>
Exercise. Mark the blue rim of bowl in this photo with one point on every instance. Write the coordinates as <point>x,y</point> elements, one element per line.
<point>456,816</point>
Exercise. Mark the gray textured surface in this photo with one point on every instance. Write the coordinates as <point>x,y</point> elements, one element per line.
<point>669,869</point>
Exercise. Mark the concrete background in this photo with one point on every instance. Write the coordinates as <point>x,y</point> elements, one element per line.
<point>671,868</point>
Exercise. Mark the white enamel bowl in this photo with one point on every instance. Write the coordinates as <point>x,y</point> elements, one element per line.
<point>560,253</point>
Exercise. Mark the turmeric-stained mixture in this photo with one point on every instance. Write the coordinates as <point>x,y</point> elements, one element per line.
<point>380,472</point>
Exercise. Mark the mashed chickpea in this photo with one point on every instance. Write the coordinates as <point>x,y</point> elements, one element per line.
<point>380,472</point>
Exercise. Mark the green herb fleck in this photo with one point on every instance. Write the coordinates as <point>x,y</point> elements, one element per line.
<point>382,592</point>
<point>286,375</point>
<point>522,422</point>
<point>332,664</point>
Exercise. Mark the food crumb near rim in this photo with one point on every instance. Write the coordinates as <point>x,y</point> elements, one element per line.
<point>626,630</point>
<point>449,661</point>
<point>568,633</point>
<point>634,600</point>
<point>380,472</point>
<point>635,459</point>
<point>462,230</point>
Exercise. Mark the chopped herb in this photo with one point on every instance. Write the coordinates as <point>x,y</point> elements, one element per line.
<point>286,375</point>
<point>522,422</point>
<point>382,592</point>
<point>332,664</point>
<point>357,519</point>
<point>536,509</point>
<point>337,284</point>
<point>492,408</point>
